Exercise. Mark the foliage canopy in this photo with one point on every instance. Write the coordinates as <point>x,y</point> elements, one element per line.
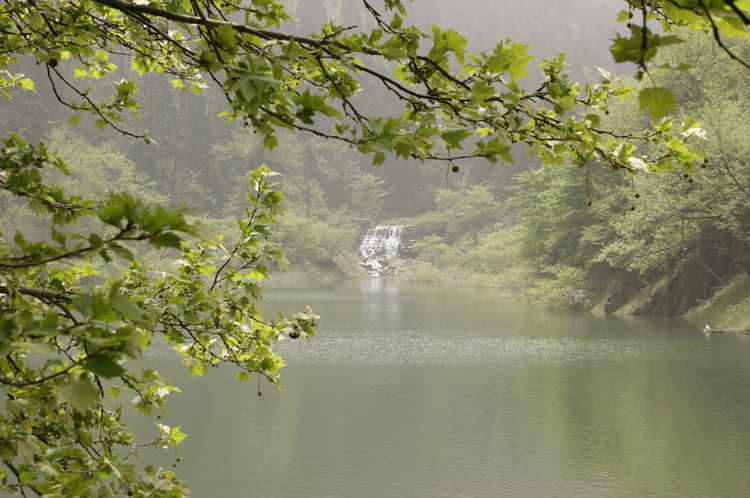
<point>80,305</point>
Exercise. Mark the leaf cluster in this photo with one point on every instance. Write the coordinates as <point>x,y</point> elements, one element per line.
<point>62,433</point>
<point>272,79</point>
<point>70,336</point>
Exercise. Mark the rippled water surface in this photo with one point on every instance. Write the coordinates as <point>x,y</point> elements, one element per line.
<point>430,392</point>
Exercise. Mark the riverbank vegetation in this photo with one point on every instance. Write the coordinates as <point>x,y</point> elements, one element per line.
<point>647,244</point>
<point>589,237</point>
<point>659,244</point>
<point>564,193</point>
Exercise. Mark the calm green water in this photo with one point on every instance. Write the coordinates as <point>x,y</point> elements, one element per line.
<point>430,392</point>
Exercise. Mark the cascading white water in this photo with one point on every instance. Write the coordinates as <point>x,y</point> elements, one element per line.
<point>380,242</point>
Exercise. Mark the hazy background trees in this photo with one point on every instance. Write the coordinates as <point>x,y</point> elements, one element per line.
<point>180,246</point>
<point>515,215</point>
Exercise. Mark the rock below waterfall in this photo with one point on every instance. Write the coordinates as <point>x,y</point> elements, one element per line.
<point>386,267</point>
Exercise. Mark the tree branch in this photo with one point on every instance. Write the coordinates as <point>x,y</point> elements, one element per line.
<point>213,23</point>
<point>717,36</point>
<point>39,293</point>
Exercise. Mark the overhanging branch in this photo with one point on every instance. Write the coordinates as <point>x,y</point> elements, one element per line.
<point>38,293</point>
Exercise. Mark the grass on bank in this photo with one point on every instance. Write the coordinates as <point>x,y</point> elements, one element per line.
<point>728,310</point>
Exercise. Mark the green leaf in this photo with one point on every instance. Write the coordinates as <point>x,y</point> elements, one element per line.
<point>104,366</point>
<point>79,394</point>
<point>454,134</point>
<point>622,16</point>
<point>127,307</point>
<point>393,49</point>
<point>27,450</point>
<point>204,231</point>
<point>629,49</point>
<point>49,322</point>
<point>82,303</point>
<point>311,104</point>
<point>444,42</point>
<point>512,58</point>
<point>732,26</point>
<point>481,91</point>
<point>495,146</point>
<point>270,142</point>
<point>593,119</point>
<point>225,35</point>
<point>173,434</point>
<point>567,102</point>
<point>520,59</point>
<point>121,251</point>
<point>657,100</point>
<point>7,327</point>
<point>78,484</point>
<point>27,85</point>
<point>198,369</point>
<point>176,435</point>
<point>168,239</point>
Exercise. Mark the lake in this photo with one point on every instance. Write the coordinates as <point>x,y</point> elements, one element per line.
<point>414,391</point>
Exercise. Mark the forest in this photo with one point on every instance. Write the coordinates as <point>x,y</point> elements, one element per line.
<point>568,237</point>
<point>657,228</point>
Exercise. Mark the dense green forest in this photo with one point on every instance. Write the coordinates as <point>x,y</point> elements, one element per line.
<point>130,214</point>
<point>570,237</point>
<point>588,237</point>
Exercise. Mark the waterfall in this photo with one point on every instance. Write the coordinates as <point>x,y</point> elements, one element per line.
<point>380,242</point>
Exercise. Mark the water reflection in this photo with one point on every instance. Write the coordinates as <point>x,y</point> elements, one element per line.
<point>381,301</point>
<point>380,286</point>
<point>411,392</point>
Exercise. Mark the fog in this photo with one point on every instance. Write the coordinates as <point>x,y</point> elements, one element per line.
<point>582,29</point>
<point>199,159</point>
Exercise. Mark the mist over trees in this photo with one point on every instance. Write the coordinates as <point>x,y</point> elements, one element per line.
<point>139,217</point>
